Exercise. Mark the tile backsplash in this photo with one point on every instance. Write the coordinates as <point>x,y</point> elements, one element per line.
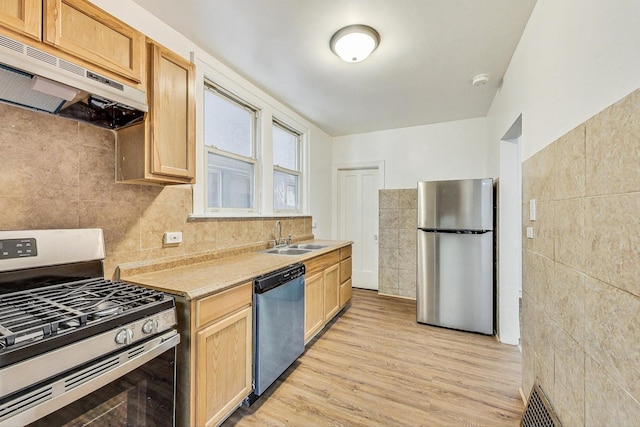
<point>581,293</point>
<point>397,242</point>
<point>59,173</point>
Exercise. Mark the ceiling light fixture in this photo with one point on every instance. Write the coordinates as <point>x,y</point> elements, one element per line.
<point>355,42</point>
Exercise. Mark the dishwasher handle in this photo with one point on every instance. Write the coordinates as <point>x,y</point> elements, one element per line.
<point>276,278</point>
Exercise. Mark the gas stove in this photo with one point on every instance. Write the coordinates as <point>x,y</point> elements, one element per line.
<point>63,326</point>
<point>37,320</point>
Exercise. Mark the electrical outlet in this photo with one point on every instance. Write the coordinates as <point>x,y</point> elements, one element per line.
<point>529,232</point>
<point>173,238</point>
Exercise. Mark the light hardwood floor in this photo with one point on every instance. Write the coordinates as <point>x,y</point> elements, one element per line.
<point>375,366</point>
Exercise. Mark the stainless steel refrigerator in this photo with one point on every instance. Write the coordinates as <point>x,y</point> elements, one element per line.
<point>455,255</point>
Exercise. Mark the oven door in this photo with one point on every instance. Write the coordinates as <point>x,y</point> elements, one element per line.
<point>133,390</point>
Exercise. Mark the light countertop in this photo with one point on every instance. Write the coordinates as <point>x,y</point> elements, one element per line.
<point>195,280</point>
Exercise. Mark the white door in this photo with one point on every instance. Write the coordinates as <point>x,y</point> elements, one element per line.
<point>358,221</point>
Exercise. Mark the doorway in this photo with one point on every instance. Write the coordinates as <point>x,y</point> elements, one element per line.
<point>358,220</point>
<point>510,235</point>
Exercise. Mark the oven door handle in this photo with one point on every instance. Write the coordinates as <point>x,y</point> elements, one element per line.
<point>123,362</point>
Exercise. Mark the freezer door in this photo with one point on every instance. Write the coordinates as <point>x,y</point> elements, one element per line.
<point>456,205</point>
<point>455,281</point>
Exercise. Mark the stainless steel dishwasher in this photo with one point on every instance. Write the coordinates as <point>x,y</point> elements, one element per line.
<point>278,299</point>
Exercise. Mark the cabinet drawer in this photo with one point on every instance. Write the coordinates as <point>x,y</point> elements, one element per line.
<point>345,270</point>
<point>345,252</point>
<point>322,262</point>
<point>216,306</point>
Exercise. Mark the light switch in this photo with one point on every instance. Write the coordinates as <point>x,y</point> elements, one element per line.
<point>532,210</point>
<point>529,232</point>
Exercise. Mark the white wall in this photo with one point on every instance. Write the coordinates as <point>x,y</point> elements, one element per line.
<point>452,150</point>
<point>509,242</point>
<point>321,198</point>
<point>575,58</point>
<point>319,141</point>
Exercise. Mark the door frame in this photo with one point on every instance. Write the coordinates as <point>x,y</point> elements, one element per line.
<point>336,168</point>
<point>509,253</point>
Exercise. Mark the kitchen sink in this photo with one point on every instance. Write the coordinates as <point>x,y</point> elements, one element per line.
<point>287,251</point>
<point>309,246</point>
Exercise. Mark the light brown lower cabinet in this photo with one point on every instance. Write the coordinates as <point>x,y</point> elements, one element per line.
<point>313,304</point>
<point>345,292</point>
<point>220,346</point>
<point>331,291</point>
<point>223,366</point>
<point>216,349</point>
<point>325,291</point>
<point>345,275</point>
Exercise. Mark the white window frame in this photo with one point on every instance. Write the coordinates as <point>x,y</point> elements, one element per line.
<point>268,109</point>
<point>299,173</point>
<point>254,160</point>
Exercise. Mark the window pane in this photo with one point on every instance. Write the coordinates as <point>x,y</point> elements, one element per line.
<point>285,191</point>
<point>229,183</point>
<point>227,125</point>
<point>285,148</point>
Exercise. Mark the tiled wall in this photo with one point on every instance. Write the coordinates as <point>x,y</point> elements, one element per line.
<point>397,242</point>
<point>58,173</point>
<point>581,284</point>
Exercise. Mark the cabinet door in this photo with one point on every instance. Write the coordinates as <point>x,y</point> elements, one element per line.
<point>89,33</point>
<point>223,366</point>
<point>331,291</point>
<point>345,292</point>
<point>22,16</point>
<point>345,270</point>
<point>171,114</point>
<point>313,304</point>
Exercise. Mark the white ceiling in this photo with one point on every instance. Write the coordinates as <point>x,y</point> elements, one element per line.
<point>420,74</point>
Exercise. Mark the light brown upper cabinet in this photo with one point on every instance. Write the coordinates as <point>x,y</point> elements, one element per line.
<point>172,109</point>
<point>162,149</point>
<point>84,31</point>
<point>22,16</point>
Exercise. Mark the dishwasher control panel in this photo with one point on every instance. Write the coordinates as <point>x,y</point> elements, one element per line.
<point>276,278</point>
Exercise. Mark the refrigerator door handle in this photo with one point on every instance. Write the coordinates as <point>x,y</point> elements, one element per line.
<point>444,231</point>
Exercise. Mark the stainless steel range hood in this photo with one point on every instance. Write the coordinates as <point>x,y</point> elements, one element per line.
<point>38,80</point>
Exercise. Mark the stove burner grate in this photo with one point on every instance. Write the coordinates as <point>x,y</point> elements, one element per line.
<point>34,314</point>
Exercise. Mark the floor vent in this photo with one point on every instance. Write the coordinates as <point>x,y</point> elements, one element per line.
<point>539,412</point>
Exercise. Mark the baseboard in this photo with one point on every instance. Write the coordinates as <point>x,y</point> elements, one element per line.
<point>524,399</point>
<point>395,296</point>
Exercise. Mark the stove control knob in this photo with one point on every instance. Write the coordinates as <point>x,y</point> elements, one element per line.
<point>150,326</point>
<point>124,336</point>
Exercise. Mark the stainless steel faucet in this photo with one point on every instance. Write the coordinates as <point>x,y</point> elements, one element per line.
<point>278,227</point>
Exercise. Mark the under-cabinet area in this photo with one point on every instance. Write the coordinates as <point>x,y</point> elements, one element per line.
<point>215,301</point>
